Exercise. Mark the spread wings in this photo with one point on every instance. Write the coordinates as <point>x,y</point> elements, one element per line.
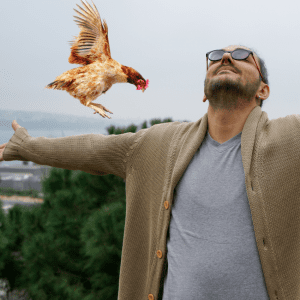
<point>92,43</point>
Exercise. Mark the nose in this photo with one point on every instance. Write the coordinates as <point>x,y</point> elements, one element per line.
<point>226,57</point>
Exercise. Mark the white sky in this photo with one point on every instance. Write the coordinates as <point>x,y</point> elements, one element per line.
<point>164,40</point>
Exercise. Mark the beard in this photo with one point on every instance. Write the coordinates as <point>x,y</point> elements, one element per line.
<point>229,94</point>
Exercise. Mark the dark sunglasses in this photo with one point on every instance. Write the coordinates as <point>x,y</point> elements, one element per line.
<point>238,54</point>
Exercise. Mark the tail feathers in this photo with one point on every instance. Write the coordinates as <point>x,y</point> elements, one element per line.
<point>58,84</point>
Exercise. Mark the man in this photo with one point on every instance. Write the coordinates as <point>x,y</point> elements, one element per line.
<point>231,231</point>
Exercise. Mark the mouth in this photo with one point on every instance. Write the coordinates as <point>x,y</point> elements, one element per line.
<point>226,70</point>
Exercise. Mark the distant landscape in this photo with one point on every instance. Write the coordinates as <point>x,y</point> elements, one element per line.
<point>53,122</point>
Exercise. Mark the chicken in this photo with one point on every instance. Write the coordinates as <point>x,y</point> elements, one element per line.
<point>99,71</point>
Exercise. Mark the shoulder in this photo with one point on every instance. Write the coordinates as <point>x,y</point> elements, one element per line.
<point>285,130</point>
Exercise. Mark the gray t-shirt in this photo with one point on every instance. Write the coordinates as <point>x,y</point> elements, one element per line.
<point>211,248</point>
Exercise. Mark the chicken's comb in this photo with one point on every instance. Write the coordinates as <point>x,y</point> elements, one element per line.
<point>147,84</point>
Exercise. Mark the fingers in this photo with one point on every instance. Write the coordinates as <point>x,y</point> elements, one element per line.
<point>15,125</point>
<point>3,146</point>
<point>1,151</point>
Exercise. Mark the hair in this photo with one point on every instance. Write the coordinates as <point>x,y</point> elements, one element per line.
<point>263,70</point>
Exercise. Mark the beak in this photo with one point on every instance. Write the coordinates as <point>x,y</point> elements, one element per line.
<point>143,90</point>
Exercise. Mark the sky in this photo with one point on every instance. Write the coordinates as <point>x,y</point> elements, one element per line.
<point>164,40</point>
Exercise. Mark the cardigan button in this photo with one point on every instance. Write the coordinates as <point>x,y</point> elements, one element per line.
<point>150,297</point>
<point>159,253</point>
<point>166,204</point>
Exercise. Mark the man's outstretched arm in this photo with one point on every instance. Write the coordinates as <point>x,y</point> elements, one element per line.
<point>96,154</point>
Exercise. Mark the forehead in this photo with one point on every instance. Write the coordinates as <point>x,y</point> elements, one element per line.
<point>232,47</point>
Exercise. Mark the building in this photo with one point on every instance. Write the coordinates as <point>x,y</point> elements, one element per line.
<point>25,176</point>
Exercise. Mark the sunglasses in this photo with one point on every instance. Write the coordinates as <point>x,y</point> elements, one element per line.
<point>237,54</point>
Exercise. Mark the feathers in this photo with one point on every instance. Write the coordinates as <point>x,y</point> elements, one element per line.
<point>58,84</point>
<point>92,43</point>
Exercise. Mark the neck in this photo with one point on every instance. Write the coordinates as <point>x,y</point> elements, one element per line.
<point>224,125</point>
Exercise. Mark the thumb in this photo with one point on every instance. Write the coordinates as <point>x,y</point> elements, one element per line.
<point>15,125</point>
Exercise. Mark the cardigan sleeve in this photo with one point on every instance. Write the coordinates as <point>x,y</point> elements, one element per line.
<point>96,154</point>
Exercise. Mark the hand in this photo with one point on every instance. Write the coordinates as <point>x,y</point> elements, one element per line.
<point>15,126</point>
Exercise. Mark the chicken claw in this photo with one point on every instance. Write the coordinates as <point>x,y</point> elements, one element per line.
<point>98,108</point>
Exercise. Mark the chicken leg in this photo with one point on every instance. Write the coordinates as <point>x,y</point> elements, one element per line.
<point>100,109</point>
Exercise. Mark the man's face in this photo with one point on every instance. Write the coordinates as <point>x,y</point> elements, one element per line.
<point>231,84</point>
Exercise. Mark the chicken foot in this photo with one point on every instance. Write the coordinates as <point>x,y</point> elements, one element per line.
<point>100,109</point>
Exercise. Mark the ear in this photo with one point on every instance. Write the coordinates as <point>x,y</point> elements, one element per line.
<point>204,98</point>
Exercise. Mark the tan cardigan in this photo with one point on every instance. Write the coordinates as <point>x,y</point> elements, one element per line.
<point>153,160</point>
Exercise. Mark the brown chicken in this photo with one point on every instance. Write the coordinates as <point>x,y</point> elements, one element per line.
<point>99,71</point>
